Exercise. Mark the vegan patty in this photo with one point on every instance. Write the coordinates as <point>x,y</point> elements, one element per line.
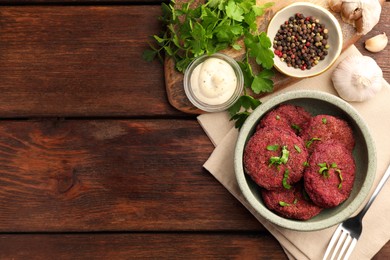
<point>291,203</point>
<point>330,175</point>
<point>322,128</point>
<point>286,116</point>
<point>275,158</point>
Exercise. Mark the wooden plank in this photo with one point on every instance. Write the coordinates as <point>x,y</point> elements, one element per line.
<point>141,246</point>
<point>174,79</point>
<point>80,61</point>
<point>146,246</point>
<point>111,175</point>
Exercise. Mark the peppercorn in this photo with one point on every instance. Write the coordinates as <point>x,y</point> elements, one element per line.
<point>301,42</point>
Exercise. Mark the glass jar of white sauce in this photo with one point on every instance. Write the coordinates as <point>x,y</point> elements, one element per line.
<point>213,82</point>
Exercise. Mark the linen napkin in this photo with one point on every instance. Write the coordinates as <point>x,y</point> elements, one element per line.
<point>312,245</point>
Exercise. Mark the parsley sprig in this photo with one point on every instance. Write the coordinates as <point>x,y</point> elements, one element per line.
<point>279,160</point>
<point>324,171</point>
<point>212,27</point>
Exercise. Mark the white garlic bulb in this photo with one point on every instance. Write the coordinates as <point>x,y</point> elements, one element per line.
<point>363,14</point>
<point>357,78</point>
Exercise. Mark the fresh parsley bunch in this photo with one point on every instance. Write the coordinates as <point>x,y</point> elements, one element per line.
<point>212,27</point>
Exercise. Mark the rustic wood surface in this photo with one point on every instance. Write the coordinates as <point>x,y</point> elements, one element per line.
<point>94,161</point>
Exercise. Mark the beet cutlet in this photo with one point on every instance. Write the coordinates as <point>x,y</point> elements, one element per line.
<point>275,158</point>
<point>292,203</point>
<point>288,117</point>
<point>325,127</point>
<point>330,175</point>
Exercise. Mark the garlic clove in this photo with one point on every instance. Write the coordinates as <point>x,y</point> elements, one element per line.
<point>335,5</point>
<point>377,43</point>
<point>357,78</point>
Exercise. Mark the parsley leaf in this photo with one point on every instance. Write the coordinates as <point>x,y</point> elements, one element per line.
<point>149,55</point>
<point>297,128</point>
<point>278,160</point>
<point>324,169</point>
<point>262,82</point>
<point>284,204</point>
<point>310,142</point>
<point>259,48</point>
<point>242,109</point>
<point>273,147</point>
<point>234,11</point>
<point>284,181</point>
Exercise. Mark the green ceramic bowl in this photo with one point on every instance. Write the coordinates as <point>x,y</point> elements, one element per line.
<point>316,102</point>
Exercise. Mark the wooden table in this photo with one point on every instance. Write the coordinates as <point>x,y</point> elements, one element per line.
<point>94,161</point>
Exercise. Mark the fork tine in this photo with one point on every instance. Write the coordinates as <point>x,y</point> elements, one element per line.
<point>332,242</point>
<point>339,243</point>
<point>350,249</point>
<point>345,246</point>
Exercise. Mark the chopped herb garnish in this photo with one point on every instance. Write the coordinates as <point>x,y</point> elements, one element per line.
<point>324,169</point>
<point>306,164</point>
<point>284,204</point>
<point>296,128</point>
<point>297,148</point>
<point>295,201</point>
<point>276,160</point>
<point>324,120</point>
<point>285,154</point>
<point>284,181</point>
<point>310,142</point>
<point>273,147</point>
<point>341,178</point>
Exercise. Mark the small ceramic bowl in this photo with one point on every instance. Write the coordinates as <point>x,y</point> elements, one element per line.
<point>315,102</point>
<point>213,107</point>
<point>335,39</point>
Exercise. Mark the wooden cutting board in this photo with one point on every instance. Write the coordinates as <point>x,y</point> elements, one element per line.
<point>174,79</point>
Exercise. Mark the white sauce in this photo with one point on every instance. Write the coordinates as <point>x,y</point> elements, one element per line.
<point>213,81</point>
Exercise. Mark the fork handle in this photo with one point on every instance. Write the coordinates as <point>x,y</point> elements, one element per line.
<point>376,192</point>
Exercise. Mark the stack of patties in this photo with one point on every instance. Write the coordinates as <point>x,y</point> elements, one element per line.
<point>302,163</point>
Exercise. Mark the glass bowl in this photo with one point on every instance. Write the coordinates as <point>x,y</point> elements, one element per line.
<point>213,106</point>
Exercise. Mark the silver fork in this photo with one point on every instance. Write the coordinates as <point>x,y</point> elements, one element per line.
<point>348,232</point>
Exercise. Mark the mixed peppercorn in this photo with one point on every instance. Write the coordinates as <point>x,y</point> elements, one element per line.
<point>301,42</point>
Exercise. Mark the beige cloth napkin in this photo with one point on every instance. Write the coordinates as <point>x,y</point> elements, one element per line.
<point>312,245</point>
